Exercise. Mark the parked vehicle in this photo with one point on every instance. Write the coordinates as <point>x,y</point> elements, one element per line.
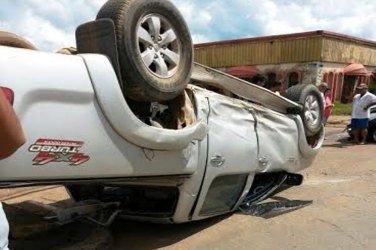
<point>371,126</point>
<point>128,118</point>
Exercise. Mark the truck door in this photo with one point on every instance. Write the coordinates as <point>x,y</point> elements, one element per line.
<point>232,156</point>
<point>278,141</point>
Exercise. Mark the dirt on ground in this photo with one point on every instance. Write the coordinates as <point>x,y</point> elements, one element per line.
<point>338,121</point>
<point>341,183</point>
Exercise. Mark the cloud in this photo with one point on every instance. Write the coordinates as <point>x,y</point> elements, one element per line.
<point>44,33</point>
<point>348,17</point>
<point>197,18</point>
<point>4,26</point>
<point>50,24</point>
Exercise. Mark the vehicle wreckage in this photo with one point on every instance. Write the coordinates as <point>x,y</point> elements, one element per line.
<point>129,118</point>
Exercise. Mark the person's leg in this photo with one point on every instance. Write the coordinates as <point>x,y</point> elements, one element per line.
<point>356,133</point>
<point>364,133</point>
<point>355,130</point>
<point>364,130</point>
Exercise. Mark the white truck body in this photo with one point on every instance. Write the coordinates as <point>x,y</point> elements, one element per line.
<point>79,129</point>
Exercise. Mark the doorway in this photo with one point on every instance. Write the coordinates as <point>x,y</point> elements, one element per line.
<point>349,83</point>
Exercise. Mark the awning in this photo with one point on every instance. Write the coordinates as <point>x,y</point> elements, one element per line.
<point>243,71</point>
<point>356,69</point>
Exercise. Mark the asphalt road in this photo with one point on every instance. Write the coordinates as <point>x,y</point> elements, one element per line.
<point>341,183</point>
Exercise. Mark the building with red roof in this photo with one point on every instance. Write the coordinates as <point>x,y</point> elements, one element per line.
<point>309,58</point>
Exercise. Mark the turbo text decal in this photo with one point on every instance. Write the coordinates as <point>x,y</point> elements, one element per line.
<point>49,150</point>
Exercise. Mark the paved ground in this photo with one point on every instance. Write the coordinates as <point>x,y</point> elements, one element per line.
<point>341,183</point>
<point>339,121</point>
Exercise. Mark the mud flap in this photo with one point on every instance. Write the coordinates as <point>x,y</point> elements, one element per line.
<point>99,37</point>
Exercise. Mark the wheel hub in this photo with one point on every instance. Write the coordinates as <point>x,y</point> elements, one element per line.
<point>312,110</point>
<point>158,45</point>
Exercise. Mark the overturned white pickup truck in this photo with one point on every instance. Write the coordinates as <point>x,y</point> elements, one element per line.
<point>128,118</point>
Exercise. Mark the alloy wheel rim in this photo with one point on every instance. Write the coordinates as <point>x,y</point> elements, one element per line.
<point>159,47</point>
<point>312,111</point>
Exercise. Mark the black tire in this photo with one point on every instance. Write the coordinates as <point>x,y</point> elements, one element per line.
<point>313,106</point>
<point>143,81</point>
<point>12,40</point>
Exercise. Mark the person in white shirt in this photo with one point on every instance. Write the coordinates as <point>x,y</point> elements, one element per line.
<point>360,113</point>
<point>259,80</point>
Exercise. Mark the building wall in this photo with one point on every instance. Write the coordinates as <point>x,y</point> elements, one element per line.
<point>335,50</point>
<point>273,50</point>
<point>314,56</point>
<point>316,73</point>
<point>308,73</point>
<point>265,52</point>
<point>338,81</point>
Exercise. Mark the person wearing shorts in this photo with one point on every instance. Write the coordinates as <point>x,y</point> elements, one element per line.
<point>11,138</point>
<point>360,113</point>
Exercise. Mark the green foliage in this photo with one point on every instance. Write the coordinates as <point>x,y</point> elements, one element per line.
<point>342,108</point>
<point>372,86</point>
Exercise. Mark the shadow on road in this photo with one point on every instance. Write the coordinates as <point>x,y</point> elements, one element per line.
<point>341,143</point>
<point>146,236</point>
<point>28,230</point>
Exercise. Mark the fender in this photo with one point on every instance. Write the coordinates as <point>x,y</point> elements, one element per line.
<point>121,117</point>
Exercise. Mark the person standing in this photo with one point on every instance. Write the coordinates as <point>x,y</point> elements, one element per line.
<point>360,113</point>
<point>322,88</point>
<point>328,105</point>
<point>11,138</point>
<point>259,80</point>
<point>276,86</point>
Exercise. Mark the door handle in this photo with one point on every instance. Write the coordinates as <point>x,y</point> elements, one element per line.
<point>217,160</point>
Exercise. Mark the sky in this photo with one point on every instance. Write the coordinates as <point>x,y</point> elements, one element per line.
<point>50,24</point>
